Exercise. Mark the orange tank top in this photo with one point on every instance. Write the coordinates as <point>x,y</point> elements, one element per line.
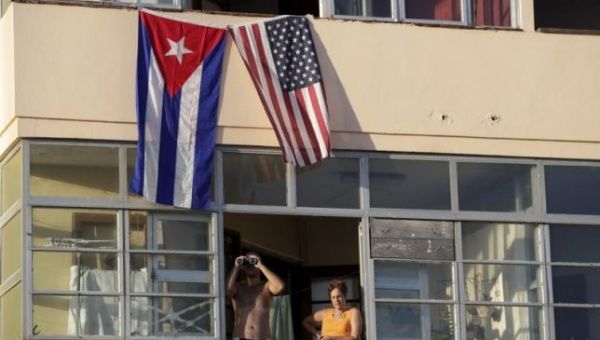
<point>336,327</point>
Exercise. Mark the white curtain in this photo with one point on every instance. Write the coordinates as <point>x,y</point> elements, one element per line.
<point>99,315</point>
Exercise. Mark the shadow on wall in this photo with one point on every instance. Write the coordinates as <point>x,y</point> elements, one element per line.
<point>338,102</point>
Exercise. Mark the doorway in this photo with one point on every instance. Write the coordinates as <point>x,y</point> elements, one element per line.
<point>306,252</point>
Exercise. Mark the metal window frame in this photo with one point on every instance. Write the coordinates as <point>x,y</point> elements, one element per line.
<point>122,204</point>
<point>398,14</point>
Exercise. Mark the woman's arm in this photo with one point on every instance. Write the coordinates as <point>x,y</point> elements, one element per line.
<point>311,321</point>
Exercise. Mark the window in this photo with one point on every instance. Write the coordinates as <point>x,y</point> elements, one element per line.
<point>497,13</point>
<point>567,14</point>
<point>414,284</point>
<point>575,275</point>
<point>409,184</point>
<point>331,183</point>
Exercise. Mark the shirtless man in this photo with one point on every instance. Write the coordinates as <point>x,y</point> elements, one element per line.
<point>252,297</point>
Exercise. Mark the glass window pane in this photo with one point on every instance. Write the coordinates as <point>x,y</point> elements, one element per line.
<point>171,274</point>
<point>409,184</point>
<point>182,235</point>
<point>499,241</point>
<point>331,183</point>
<point>131,154</point>
<point>379,8</point>
<point>572,189</point>
<point>494,187</point>
<point>92,272</point>
<point>254,179</point>
<point>11,246</point>
<point>11,314</point>
<point>76,315</point>
<point>138,230</point>
<point>447,10</point>
<point>414,321</point>
<point>74,171</point>
<point>74,228</point>
<point>188,316</point>
<point>503,323</point>
<point>412,239</point>
<point>491,12</point>
<point>502,283</point>
<point>11,181</point>
<point>574,243</point>
<point>577,323</point>
<point>576,284</point>
<point>398,280</point>
<point>348,7</point>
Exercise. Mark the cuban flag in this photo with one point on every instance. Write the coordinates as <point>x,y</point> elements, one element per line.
<point>178,85</point>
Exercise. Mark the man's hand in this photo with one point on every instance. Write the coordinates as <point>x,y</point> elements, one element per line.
<point>258,262</point>
<point>239,260</point>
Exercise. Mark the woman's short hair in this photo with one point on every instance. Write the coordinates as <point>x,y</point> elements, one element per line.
<point>339,284</point>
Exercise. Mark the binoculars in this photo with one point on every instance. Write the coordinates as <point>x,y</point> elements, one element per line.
<point>246,260</point>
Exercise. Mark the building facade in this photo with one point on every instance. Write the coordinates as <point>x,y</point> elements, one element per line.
<point>462,200</point>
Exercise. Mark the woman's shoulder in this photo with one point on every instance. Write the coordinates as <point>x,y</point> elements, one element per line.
<point>353,310</point>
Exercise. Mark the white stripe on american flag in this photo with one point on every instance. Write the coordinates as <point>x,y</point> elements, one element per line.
<point>312,115</point>
<point>262,85</point>
<point>186,140</point>
<point>152,129</point>
<point>323,117</point>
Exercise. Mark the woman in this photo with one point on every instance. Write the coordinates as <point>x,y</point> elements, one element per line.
<point>341,322</point>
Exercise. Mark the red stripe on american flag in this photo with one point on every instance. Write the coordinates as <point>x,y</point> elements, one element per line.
<point>260,44</point>
<point>296,129</point>
<point>308,124</point>
<point>251,66</point>
<point>320,112</point>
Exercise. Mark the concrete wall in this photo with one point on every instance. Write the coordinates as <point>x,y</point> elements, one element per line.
<point>392,87</point>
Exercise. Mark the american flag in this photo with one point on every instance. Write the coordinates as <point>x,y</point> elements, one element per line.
<point>280,56</point>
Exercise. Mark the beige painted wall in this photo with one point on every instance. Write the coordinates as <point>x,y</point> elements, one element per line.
<point>7,70</point>
<point>388,85</point>
<point>11,314</point>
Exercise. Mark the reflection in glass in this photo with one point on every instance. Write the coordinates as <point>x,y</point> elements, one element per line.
<point>138,230</point>
<point>348,7</point>
<point>76,315</point>
<point>170,274</point>
<point>502,283</point>
<point>11,182</point>
<point>503,323</point>
<point>74,228</point>
<point>491,13</point>
<point>577,323</point>
<point>11,313</point>
<point>574,243</point>
<point>499,241</point>
<point>171,316</point>
<point>91,272</point>
<point>414,321</point>
<point>494,187</point>
<point>182,235</point>
<point>572,189</point>
<point>131,155</point>
<point>447,10</point>
<point>74,171</point>
<point>413,280</point>
<point>409,184</point>
<point>576,284</point>
<point>254,179</point>
<point>11,247</point>
<point>331,183</point>
<point>379,8</point>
